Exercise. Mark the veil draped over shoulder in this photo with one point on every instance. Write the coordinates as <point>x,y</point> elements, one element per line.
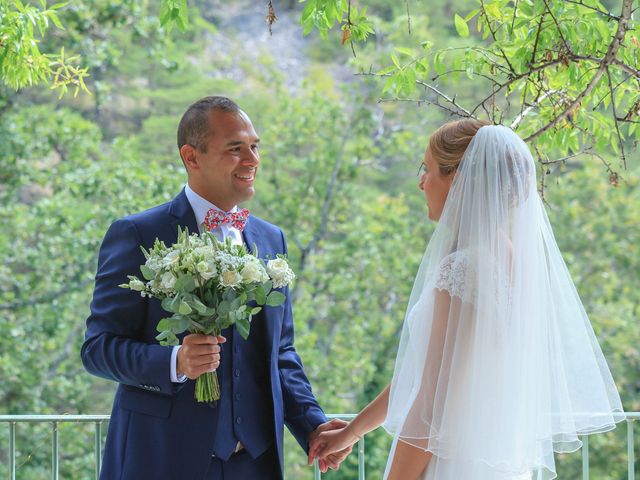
<point>498,366</point>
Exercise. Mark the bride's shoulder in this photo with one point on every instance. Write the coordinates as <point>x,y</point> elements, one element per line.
<point>455,275</point>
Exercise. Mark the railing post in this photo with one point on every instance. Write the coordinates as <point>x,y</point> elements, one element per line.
<point>631,457</point>
<point>316,470</point>
<point>12,450</point>
<point>361,459</point>
<point>54,452</point>
<point>585,457</point>
<point>98,449</point>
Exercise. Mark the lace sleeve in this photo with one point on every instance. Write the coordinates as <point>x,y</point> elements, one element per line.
<point>455,275</point>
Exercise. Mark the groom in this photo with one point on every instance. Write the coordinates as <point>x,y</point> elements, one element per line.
<point>157,429</point>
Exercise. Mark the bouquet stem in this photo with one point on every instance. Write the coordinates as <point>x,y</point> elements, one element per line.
<point>207,387</point>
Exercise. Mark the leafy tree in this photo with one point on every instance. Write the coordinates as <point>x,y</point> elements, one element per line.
<point>531,68</point>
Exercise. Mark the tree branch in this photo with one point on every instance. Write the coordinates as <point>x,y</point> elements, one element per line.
<point>493,35</point>
<point>606,61</point>
<point>615,119</point>
<point>564,40</point>
<point>609,15</point>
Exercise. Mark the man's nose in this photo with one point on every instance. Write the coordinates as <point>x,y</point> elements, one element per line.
<point>252,157</point>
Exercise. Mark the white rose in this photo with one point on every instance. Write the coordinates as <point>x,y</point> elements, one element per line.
<point>153,264</point>
<point>171,258</point>
<point>230,278</point>
<point>207,269</point>
<point>253,272</point>
<point>136,284</point>
<point>206,251</point>
<point>280,273</point>
<point>168,281</point>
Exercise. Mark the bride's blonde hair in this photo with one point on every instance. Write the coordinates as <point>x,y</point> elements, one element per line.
<point>449,142</point>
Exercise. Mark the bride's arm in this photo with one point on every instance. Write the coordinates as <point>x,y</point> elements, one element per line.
<point>411,455</point>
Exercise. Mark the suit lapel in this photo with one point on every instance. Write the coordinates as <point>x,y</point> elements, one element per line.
<point>250,236</point>
<point>183,214</point>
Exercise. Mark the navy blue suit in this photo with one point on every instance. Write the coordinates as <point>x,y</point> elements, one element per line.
<point>157,429</point>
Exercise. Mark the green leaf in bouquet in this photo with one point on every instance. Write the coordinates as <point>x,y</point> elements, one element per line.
<point>163,335</point>
<point>147,273</point>
<point>145,252</point>
<point>243,325</point>
<point>275,299</point>
<point>241,308</point>
<point>169,304</point>
<point>268,285</point>
<point>179,324</point>
<point>185,284</point>
<point>167,338</point>
<point>197,326</point>
<point>256,310</point>
<point>210,298</point>
<point>184,308</point>
<point>223,308</point>
<point>124,285</point>
<point>163,325</point>
<point>261,295</point>
<point>229,294</point>
<point>201,308</point>
<point>235,304</point>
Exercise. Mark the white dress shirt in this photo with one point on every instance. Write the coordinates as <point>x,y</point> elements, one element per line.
<point>200,208</point>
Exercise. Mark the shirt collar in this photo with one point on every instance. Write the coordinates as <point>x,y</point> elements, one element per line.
<point>201,205</point>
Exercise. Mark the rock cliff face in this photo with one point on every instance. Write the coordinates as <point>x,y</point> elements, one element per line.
<point>242,35</point>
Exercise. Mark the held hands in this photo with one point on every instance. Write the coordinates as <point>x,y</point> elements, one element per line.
<point>331,443</point>
<point>198,354</point>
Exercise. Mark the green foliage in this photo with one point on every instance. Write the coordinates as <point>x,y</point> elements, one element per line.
<point>337,174</point>
<point>323,15</point>
<point>22,27</point>
<point>532,70</point>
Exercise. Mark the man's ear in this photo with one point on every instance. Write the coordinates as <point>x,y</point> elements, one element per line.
<point>188,154</point>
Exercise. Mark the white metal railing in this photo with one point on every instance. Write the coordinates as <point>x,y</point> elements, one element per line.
<point>98,420</point>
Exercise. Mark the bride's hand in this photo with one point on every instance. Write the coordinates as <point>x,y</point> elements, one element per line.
<point>332,441</point>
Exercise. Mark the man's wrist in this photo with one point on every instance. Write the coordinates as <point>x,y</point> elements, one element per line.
<point>175,375</point>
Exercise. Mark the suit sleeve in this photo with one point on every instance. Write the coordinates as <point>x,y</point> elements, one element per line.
<point>114,347</point>
<point>302,414</point>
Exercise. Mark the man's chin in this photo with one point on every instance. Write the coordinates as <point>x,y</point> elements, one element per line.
<point>246,195</point>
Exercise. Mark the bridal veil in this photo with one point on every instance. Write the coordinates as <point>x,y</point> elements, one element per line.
<point>498,366</point>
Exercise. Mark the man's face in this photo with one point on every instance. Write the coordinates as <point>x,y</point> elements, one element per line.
<point>226,172</point>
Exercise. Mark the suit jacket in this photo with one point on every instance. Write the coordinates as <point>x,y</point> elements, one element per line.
<point>157,429</point>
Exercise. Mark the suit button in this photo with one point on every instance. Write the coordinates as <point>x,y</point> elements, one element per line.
<point>237,396</point>
<point>238,420</point>
<point>236,372</point>
<point>236,349</point>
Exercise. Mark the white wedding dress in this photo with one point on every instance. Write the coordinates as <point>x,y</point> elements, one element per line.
<point>498,366</point>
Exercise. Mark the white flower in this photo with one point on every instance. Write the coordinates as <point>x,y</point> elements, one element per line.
<point>168,280</point>
<point>228,261</point>
<point>280,273</point>
<point>171,258</point>
<point>230,278</point>
<point>136,284</point>
<point>206,251</point>
<point>253,271</point>
<point>207,269</point>
<point>153,263</point>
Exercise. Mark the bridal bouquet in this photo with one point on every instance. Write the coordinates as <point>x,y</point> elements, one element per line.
<point>208,285</point>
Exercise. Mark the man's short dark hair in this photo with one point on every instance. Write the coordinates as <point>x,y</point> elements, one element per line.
<point>194,128</point>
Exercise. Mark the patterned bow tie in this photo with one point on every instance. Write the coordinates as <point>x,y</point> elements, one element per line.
<point>215,218</point>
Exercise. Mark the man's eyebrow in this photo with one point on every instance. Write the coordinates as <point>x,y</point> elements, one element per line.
<point>234,143</point>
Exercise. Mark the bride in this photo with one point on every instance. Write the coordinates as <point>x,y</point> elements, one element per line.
<point>498,366</point>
